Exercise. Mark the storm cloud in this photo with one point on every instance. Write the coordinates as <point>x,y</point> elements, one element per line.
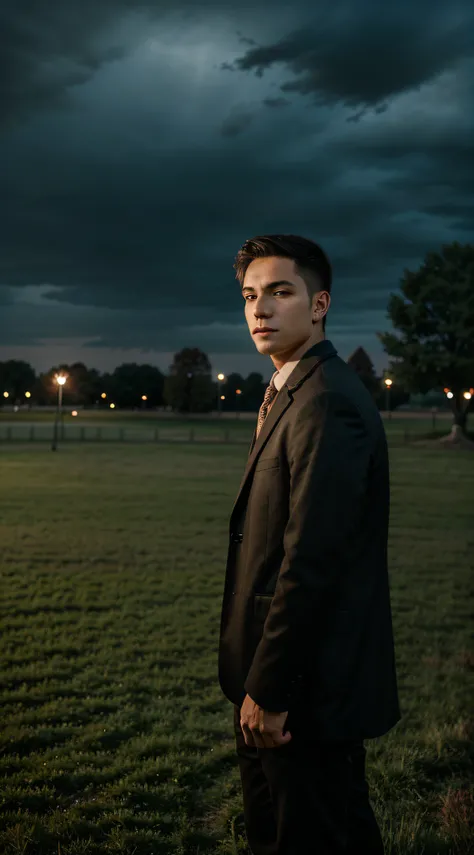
<point>143,143</point>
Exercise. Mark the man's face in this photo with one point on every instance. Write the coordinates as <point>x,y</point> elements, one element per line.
<point>285,308</point>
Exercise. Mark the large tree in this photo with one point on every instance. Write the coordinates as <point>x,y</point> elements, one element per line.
<point>82,386</point>
<point>131,383</point>
<point>188,387</point>
<point>362,364</point>
<point>16,378</point>
<point>433,346</point>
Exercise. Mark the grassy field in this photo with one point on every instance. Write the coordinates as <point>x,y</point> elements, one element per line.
<point>115,737</point>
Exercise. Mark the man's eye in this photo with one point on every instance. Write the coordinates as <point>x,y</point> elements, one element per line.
<point>275,292</point>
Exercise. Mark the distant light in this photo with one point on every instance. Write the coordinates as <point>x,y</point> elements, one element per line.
<point>74,413</point>
<point>15,409</point>
<point>103,395</point>
<point>144,398</point>
<point>221,376</point>
<point>6,395</point>
<point>222,397</point>
<point>449,395</point>
<point>60,379</point>
<point>238,391</point>
<point>27,394</point>
<point>388,382</point>
<point>467,396</point>
<point>112,406</point>
<point>446,390</point>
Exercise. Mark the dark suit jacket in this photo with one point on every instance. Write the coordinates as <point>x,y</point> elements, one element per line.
<point>306,617</point>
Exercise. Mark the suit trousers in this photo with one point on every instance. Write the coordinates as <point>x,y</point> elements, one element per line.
<point>307,797</point>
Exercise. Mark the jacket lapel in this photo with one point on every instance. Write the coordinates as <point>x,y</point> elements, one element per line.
<point>308,363</point>
<point>280,405</point>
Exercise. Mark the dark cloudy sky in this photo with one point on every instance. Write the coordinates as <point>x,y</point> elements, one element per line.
<point>142,143</point>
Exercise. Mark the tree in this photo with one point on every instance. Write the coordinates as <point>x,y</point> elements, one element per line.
<point>362,364</point>
<point>253,391</point>
<point>16,378</point>
<point>46,389</point>
<point>129,382</point>
<point>82,386</point>
<point>188,387</point>
<point>434,319</point>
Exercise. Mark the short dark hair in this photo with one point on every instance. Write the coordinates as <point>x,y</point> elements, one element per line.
<point>311,262</point>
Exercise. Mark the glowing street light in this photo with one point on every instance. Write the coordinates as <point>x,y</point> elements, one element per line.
<point>144,398</point>
<point>238,392</point>
<point>60,380</point>
<point>6,394</point>
<point>220,378</point>
<point>388,385</point>
<point>103,395</point>
<point>467,395</point>
<point>27,394</point>
<point>112,406</point>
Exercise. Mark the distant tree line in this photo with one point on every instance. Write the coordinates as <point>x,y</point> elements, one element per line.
<point>431,348</point>
<point>188,388</point>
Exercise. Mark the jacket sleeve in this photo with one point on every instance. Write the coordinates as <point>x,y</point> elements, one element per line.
<point>329,453</point>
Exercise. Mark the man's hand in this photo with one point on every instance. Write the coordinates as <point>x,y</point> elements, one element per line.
<point>262,729</point>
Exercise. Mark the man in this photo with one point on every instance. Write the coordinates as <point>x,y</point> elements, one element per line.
<point>306,651</point>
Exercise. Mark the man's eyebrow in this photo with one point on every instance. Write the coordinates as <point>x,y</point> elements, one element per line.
<point>270,285</point>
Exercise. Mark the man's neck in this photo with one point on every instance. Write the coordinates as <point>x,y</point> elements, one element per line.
<point>279,359</point>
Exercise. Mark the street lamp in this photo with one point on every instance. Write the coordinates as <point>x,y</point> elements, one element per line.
<point>238,392</point>
<point>60,380</point>
<point>388,383</point>
<point>220,378</point>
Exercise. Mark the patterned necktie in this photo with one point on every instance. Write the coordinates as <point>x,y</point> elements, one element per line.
<point>270,393</point>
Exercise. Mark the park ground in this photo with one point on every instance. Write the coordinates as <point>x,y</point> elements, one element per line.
<point>114,734</point>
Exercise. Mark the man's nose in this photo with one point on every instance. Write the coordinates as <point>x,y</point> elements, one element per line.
<point>260,310</point>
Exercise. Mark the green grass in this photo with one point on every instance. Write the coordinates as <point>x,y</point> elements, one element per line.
<point>115,736</point>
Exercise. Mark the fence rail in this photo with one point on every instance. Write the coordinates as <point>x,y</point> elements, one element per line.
<point>99,433</point>
<point>37,433</point>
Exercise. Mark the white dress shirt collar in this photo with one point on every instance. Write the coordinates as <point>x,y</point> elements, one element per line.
<point>280,377</point>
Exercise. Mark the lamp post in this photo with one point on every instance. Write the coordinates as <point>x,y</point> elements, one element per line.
<point>60,380</point>
<point>388,384</point>
<point>238,393</point>
<point>220,378</point>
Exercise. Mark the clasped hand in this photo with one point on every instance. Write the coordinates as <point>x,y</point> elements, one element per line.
<point>262,729</point>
